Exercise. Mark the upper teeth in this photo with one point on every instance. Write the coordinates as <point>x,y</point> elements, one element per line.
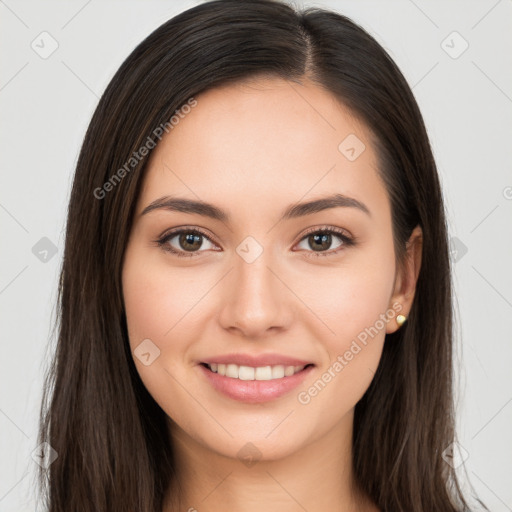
<point>259,373</point>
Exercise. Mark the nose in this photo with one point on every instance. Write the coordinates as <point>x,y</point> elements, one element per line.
<point>256,300</point>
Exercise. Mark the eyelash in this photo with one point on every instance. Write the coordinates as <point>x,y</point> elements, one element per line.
<point>347,241</point>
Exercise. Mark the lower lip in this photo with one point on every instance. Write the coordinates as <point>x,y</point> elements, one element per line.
<point>254,391</point>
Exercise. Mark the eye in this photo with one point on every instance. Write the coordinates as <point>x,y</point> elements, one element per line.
<point>188,242</point>
<point>321,239</point>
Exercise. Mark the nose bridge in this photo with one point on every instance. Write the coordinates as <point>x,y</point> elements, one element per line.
<point>256,298</point>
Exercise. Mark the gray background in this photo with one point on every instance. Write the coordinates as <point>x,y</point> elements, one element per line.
<point>466,100</point>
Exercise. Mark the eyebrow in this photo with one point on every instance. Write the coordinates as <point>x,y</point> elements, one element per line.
<point>293,211</point>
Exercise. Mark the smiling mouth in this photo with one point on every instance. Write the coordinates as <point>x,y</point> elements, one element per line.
<point>259,373</point>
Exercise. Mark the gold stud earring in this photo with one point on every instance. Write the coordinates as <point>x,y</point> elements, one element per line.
<point>400,320</point>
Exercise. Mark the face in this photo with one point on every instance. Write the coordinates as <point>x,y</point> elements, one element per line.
<point>294,307</point>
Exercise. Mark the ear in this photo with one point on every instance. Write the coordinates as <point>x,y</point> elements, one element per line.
<point>406,278</point>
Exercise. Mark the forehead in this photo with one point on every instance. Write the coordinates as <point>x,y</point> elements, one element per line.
<point>262,139</point>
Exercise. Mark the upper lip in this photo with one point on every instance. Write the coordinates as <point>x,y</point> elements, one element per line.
<point>256,361</point>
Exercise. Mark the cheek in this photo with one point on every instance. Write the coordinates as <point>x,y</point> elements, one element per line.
<point>356,317</point>
<point>150,308</point>
<point>358,308</point>
<point>158,299</point>
<point>353,303</point>
<point>350,299</point>
<point>159,305</point>
<point>353,352</point>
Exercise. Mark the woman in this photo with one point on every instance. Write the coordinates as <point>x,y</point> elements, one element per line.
<point>255,300</point>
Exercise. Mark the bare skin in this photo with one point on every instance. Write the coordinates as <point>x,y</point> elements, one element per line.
<point>254,149</point>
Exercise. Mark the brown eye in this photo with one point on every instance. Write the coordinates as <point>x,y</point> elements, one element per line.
<point>190,241</point>
<point>319,242</point>
<point>185,242</point>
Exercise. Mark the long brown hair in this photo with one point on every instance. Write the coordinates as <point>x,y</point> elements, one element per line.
<point>111,437</point>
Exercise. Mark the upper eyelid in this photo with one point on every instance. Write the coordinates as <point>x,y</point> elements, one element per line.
<point>326,227</point>
<point>185,229</point>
